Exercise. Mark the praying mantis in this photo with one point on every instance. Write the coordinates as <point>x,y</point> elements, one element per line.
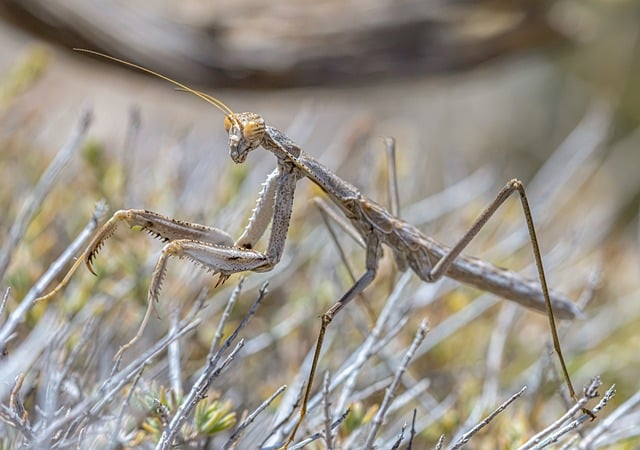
<point>218,252</point>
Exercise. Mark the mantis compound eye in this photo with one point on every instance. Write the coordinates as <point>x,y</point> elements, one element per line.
<point>253,130</point>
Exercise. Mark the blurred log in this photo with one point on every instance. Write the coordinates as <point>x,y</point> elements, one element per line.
<point>254,44</point>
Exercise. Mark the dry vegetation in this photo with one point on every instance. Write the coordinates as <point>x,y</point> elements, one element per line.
<point>453,355</point>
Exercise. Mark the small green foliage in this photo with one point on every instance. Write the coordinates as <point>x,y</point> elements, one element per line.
<point>93,153</point>
<point>6,444</point>
<point>358,416</point>
<point>25,73</point>
<point>211,415</point>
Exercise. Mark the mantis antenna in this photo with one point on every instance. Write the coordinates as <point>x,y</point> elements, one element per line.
<point>207,98</point>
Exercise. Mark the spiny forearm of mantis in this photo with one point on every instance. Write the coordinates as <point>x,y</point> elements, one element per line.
<point>216,251</point>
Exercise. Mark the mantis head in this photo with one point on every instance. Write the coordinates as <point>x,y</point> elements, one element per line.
<point>246,131</point>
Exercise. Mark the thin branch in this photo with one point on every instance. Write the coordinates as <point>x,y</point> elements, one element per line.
<point>211,371</point>
<point>316,436</point>
<point>590,391</point>
<point>18,314</point>
<point>104,394</point>
<point>5,297</point>
<point>575,424</point>
<point>42,188</point>
<point>292,409</point>
<point>251,417</point>
<point>608,422</point>
<point>413,430</point>
<point>115,437</point>
<point>225,316</point>
<point>173,354</point>
<point>328,438</point>
<point>469,434</point>
<point>347,376</point>
<point>390,394</point>
<point>400,437</point>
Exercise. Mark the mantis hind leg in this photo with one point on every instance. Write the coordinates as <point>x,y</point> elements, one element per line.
<point>440,268</point>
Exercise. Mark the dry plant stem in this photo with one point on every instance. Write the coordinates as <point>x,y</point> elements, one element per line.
<point>210,372</point>
<point>278,426</point>
<point>495,352</point>
<point>390,393</point>
<point>328,438</point>
<point>173,354</point>
<point>440,443</point>
<point>237,433</point>
<point>316,436</point>
<point>17,315</point>
<point>3,303</point>
<point>225,316</point>
<point>590,392</point>
<point>128,153</point>
<point>467,190</point>
<point>469,434</point>
<point>347,377</point>
<point>537,438</point>
<point>400,438</point>
<point>17,415</point>
<point>197,393</point>
<point>115,437</point>
<point>577,423</point>
<point>54,382</point>
<point>493,360</point>
<point>429,259</point>
<point>394,193</point>
<point>391,333</point>
<point>328,211</point>
<point>413,430</point>
<point>93,403</point>
<point>42,188</point>
<point>85,338</point>
<point>15,403</point>
<point>409,395</point>
<point>608,422</point>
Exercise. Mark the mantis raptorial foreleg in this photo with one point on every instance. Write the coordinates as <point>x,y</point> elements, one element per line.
<point>275,202</point>
<point>262,213</point>
<point>162,227</point>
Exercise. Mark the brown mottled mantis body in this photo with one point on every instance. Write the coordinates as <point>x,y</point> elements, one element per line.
<point>215,250</point>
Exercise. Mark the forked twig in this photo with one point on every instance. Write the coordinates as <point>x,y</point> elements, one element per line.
<point>608,421</point>
<point>314,437</point>
<point>42,188</point>
<point>17,315</point>
<point>469,434</point>
<point>225,316</point>
<point>237,433</point>
<point>390,393</point>
<point>400,437</point>
<point>558,428</point>
<point>210,372</point>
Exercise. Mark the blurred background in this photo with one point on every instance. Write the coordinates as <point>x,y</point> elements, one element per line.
<point>474,92</point>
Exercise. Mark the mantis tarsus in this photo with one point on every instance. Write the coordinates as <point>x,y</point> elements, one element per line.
<point>218,252</point>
